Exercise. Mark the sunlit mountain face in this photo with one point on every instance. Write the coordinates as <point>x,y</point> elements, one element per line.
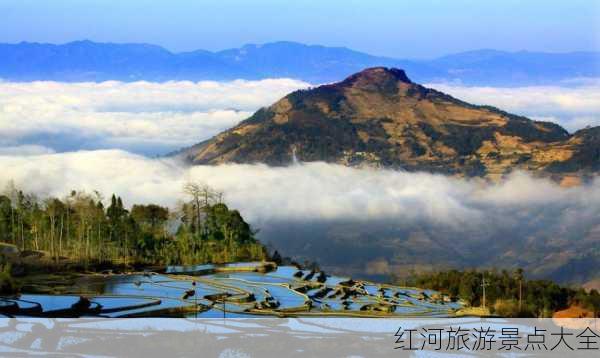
<point>380,118</point>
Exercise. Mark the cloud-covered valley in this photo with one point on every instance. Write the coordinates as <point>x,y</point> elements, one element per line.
<point>350,218</point>
<point>305,191</point>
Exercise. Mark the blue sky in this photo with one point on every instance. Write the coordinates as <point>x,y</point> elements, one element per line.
<point>424,28</point>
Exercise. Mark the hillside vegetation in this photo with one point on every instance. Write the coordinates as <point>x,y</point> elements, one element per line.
<point>380,118</point>
<point>78,230</point>
<point>509,294</point>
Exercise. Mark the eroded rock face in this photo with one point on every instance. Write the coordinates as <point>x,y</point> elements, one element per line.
<point>378,117</point>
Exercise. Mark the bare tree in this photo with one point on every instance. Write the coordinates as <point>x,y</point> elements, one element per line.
<point>53,209</point>
<point>202,197</point>
<point>219,197</point>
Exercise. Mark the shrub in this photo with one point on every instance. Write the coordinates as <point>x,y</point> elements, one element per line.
<point>7,283</point>
<point>506,308</point>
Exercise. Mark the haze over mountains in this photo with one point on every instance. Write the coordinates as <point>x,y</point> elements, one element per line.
<point>90,61</point>
<point>379,117</point>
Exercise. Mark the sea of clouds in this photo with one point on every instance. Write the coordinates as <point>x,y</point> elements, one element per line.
<point>308,191</point>
<point>573,107</point>
<point>157,118</point>
<point>55,137</point>
<point>58,137</point>
<point>142,117</point>
<point>348,217</point>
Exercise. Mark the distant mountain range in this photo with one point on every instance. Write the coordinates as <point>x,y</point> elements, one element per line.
<point>91,61</point>
<point>379,117</point>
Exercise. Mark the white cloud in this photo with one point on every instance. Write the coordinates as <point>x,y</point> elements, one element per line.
<point>311,191</point>
<point>141,116</point>
<point>571,107</point>
<point>346,216</point>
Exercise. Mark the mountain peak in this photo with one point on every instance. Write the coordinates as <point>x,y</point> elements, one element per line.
<point>377,75</point>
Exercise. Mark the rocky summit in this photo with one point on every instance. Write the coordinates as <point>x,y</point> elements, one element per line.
<point>379,117</point>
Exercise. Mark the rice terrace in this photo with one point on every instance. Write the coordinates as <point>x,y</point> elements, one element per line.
<point>234,290</point>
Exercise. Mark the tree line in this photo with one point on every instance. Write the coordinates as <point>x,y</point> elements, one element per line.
<point>508,294</point>
<point>84,227</point>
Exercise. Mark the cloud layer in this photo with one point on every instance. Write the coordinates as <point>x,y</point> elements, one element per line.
<point>144,117</point>
<point>572,107</point>
<point>308,191</point>
<point>350,217</point>
<point>312,191</point>
<point>156,118</point>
